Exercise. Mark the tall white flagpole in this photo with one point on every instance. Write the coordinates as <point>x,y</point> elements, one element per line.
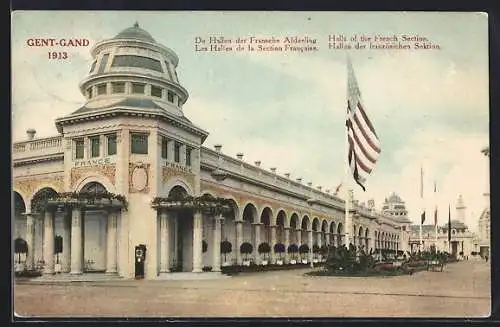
<point>422,203</point>
<point>435,216</point>
<point>347,185</point>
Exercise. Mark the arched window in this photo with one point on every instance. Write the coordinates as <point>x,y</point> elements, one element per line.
<point>93,187</point>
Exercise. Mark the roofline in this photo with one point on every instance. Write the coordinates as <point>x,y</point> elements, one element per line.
<point>129,111</point>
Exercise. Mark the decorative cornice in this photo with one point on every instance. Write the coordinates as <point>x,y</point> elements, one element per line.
<point>34,160</point>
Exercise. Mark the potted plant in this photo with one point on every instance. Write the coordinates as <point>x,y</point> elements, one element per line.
<point>225,248</point>
<point>304,249</point>
<point>280,249</point>
<point>315,251</point>
<point>20,247</point>
<point>264,248</point>
<point>246,249</point>
<point>323,251</point>
<point>293,249</point>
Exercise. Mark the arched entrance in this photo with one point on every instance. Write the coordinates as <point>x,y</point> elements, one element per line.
<point>94,232</point>
<point>181,234</point>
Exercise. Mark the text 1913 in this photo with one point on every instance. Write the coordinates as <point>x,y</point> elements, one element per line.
<point>58,55</point>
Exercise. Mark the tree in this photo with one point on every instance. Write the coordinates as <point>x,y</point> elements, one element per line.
<point>323,250</point>
<point>264,248</point>
<point>315,250</point>
<point>279,248</point>
<point>246,249</point>
<point>225,248</point>
<point>293,249</point>
<point>20,246</point>
<point>304,248</point>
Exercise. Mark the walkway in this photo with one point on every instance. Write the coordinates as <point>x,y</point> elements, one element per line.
<point>461,290</point>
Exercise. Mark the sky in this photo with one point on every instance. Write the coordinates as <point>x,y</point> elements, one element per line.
<point>430,108</point>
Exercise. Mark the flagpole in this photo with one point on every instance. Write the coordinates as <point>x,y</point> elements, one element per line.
<point>435,216</point>
<point>348,190</point>
<point>422,204</point>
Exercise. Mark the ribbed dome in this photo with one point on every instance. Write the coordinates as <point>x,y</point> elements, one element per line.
<point>394,198</point>
<point>136,33</point>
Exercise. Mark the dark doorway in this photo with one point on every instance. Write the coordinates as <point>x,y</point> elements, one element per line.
<point>454,249</point>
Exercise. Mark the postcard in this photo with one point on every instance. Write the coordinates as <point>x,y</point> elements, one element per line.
<point>250,164</point>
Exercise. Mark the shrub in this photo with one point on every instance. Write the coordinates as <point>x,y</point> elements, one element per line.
<point>293,249</point>
<point>315,248</point>
<point>28,273</point>
<point>279,248</point>
<point>246,249</point>
<point>264,248</point>
<point>304,248</point>
<point>225,248</point>
<point>323,250</point>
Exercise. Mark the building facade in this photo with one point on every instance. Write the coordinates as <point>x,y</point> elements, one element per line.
<point>131,139</point>
<point>484,221</point>
<point>463,242</point>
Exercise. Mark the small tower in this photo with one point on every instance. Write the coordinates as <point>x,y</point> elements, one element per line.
<point>460,209</point>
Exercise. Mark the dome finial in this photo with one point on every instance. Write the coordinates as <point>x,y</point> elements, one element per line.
<point>136,24</point>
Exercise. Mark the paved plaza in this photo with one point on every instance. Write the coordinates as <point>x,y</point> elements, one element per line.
<point>461,290</point>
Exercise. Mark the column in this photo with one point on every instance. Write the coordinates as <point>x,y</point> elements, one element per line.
<point>319,240</point>
<point>310,243</point>
<point>216,246</point>
<point>175,218</point>
<point>30,239</point>
<point>76,241</point>
<point>328,239</point>
<point>111,243</point>
<point>164,242</point>
<point>239,240</point>
<point>299,237</point>
<point>257,242</point>
<point>286,230</point>
<point>197,239</point>
<point>66,260</point>
<point>48,242</point>
<point>273,242</point>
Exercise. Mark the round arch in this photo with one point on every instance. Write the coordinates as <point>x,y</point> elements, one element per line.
<point>324,226</point>
<point>249,213</point>
<point>178,191</point>
<point>332,228</point>
<point>93,187</point>
<point>305,223</point>
<point>43,192</point>
<point>89,178</point>
<point>315,224</point>
<point>294,221</point>
<point>19,204</point>
<point>283,216</point>
<point>340,228</point>
<point>281,219</point>
<point>49,185</point>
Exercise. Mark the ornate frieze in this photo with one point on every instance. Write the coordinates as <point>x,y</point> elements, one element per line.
<point>169,172</point>
<point>29,185</point>
<point>78,172</point>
